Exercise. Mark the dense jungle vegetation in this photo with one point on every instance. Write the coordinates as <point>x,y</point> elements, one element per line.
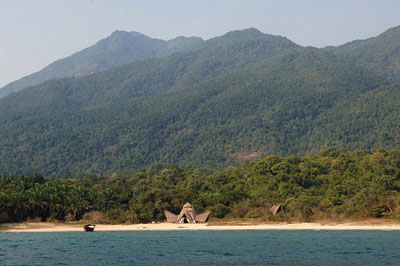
<point>334,184</point>
<point>241,95</point>
<point>131,117</point>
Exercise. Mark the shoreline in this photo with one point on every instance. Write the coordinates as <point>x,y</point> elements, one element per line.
<point>56,227</point>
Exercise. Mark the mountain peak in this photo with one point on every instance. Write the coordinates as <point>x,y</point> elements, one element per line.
<point>116,32</point>
<point>253,35</point>
<point>121,34</point>
<point>119,48</point>
<point>249,32</point>
<point>252,30</point>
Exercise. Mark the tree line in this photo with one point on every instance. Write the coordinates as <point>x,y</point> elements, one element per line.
<point>333,184</point>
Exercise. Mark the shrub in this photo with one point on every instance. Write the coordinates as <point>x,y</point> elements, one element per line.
<point>220,210</point>
<point>4,218</point>
<point>378,210</point>
<point>70,217</point>
<point>95,217</point>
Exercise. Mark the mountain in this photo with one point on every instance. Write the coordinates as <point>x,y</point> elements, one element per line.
<point>380,54</point>
<point>238,96</point>
<point>116,50</point>
<point>366,121</point>
<point>217,56</point>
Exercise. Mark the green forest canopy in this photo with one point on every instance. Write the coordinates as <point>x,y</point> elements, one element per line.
<point>241,95</point>
<point>334,184</point>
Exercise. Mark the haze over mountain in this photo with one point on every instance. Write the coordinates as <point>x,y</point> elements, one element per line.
<point>238,96</point>
<point>116,50</point>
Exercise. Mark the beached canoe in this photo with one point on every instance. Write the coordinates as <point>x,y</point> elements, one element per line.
<point>89,227</point>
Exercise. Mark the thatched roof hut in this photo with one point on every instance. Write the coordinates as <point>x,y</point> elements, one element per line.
<point>187,215</point>
<point>276,208</point>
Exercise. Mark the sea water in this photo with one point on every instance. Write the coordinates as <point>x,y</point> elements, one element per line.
<point>202,248</point>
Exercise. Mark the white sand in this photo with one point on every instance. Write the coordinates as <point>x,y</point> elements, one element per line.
<point>50,227</point>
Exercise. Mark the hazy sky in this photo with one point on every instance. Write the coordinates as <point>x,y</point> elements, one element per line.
<point>34,33</point>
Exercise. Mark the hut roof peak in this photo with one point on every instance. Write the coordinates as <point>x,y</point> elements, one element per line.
<point>187,205</point>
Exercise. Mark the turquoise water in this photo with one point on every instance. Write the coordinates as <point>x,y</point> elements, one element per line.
<point>202,248</point>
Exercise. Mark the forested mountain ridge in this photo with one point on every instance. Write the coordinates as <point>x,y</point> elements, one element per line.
<point>380,54</point>
<point>238,96</point>
<point>378,111</point>
<point>231,52</point>
<point>119,48</point>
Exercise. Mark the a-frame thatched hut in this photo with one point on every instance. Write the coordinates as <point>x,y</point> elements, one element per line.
<point>276,208</point>
<point>187,215</point>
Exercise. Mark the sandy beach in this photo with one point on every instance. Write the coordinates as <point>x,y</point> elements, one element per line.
<point>54,227</point>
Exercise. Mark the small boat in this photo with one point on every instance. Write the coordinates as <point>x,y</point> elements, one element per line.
<point>89,227</point>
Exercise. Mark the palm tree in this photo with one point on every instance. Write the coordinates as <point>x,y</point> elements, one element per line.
<point>108,199</point>
<point>18,206</point>
<point>133,214</point>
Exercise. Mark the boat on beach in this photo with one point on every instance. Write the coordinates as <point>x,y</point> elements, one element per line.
<point>89,227</point>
